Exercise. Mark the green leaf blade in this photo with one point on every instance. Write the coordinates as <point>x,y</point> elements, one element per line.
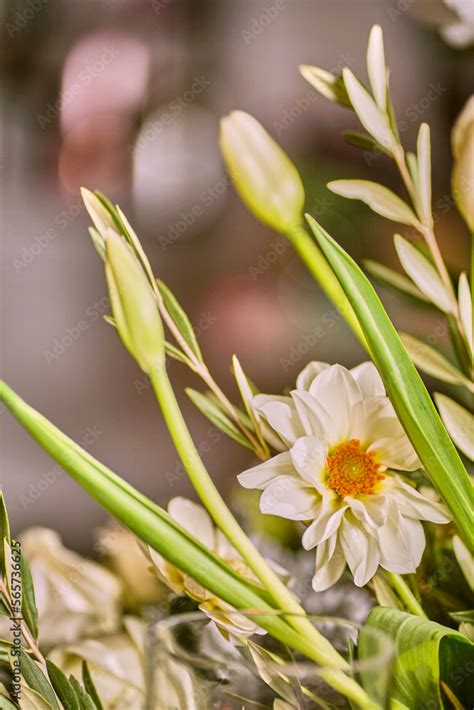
<point>180,319</point>
<point>404,386</point>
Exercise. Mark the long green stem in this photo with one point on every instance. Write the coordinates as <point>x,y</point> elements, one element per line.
<point>317,265</point>
<point>406,595</point>
<point>224,519</point>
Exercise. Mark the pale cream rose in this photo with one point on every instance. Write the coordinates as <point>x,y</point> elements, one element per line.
<point>75,597</point>
<point>122,553</point>
<point>117,665</point>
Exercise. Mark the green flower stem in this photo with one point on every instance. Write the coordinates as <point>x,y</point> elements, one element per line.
<point>224,519</point>
<point>406,595</point>
<point>349,688</point>
<point>317,265</point>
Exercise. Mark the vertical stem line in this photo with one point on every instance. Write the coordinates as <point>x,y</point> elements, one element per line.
<point>406,595</point>
<point>224,519</point>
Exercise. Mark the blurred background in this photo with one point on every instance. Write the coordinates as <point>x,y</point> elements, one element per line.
<point>125,96</point>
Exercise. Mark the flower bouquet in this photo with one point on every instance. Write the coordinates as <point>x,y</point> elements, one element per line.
<point>371,474</point>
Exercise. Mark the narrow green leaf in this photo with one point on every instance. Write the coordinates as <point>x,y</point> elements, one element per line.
<point>153,525</point>
<point>379,198</point>
<point>6,704</point>
<point>404,386</point>
<point>28,608</point>
<point>459,423</point>
<point>85,702</point>
<point>98,242</point>
<point>372,118</point>
<point>36,679</point>
<point>392,278</point>
<point>90,687</point>
<point>175,353</point>
<point>467,616</point>
<point>106,203</point>
<point>362,141</point>
<point>432,362</point>
<point>62,687</point>
<point>180,319</point>
<point>423,274</point>
<point>376,66</point>
<point>215,414</point>
<point>426,654</point>
<point>424,169</point>
<point>4,530</point>
<point>328,85</point>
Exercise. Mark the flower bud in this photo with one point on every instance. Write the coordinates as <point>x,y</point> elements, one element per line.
<point>133,305</point>
<point>462,179</point>
<point>264,176</point>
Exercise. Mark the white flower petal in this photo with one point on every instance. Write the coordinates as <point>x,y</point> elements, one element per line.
<point>263,474</point>
<point>374,419</point>
<point>325,525</point>
<point>306,376</point>
<point>396,453</point>
<point>337,391</point>
<point>360,550</point>
<point>309,456</point>
<point>314,418</point>
<point>370,509</point>
<point>193,518</point>
<point>395,550</point>
<point>415,536</point>
<point>330,564</point>
<point>415,505</point>
<point>368,378</point>
<point>290,497</point>
<point>280,413</point>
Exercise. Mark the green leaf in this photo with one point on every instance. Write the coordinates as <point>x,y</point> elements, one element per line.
<point>86,703</point>
<point>62,687</point>
<point>426,654</point>
<point>99,213</point>
<point>180,319</point>
<point>326,83</point>
<point>432,362</point>
<point>459,423</point>
<point>360,140</point>
<point>153,525</point>
<point>90,687</point>
<point>376,66</point>
<point>4,531</point>
<point>175,353</point>
<point>28,604</point>
<point>36,679</point>
<point>98,242</point>
<point>392,278</point>
<point>424,169</point>
<point>423,274</point>
<point>6,704</point>
<point>467,616</point>
<point>379,198</point>
<point>405,387</point>
<point>214,413</point>
<point>372,118</point>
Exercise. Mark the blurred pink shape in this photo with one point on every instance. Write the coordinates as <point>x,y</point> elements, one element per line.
<point>104,73</point>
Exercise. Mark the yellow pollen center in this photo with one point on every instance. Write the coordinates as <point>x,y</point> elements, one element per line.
<point>351,470</point>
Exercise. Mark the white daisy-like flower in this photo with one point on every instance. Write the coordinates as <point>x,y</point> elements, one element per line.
<point>342,439</point>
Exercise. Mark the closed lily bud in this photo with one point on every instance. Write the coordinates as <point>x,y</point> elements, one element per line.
<point>462,178</point>
<point>133,305</point>
<point>264,176</point>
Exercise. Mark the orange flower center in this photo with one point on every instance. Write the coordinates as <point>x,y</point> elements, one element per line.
<point>351,470</point>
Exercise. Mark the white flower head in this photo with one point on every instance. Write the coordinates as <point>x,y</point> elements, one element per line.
<point>342,437</point>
